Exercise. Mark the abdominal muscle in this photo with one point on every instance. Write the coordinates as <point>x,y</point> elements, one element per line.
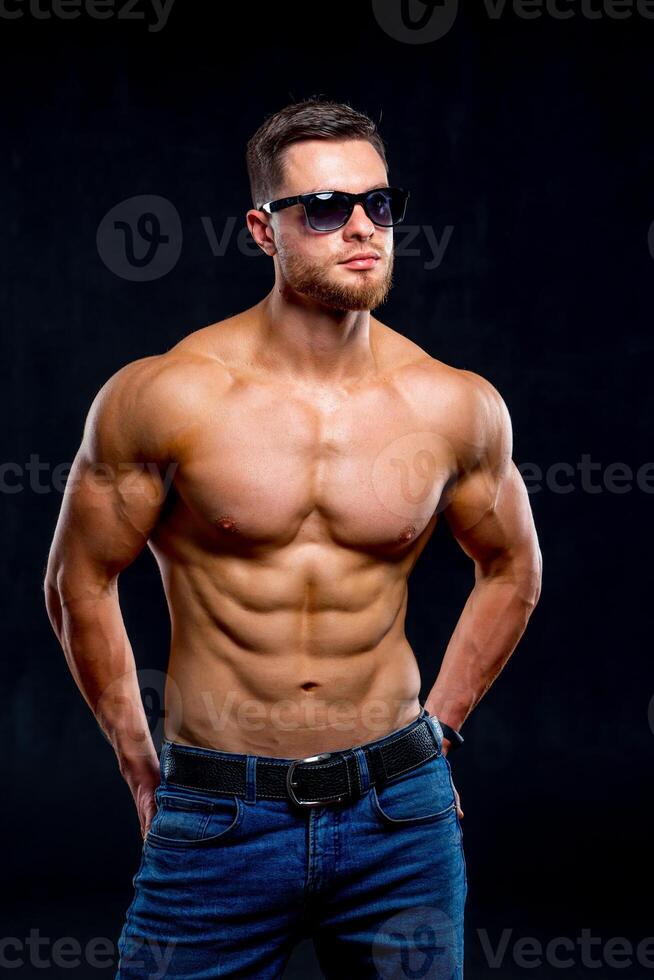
<point>288,654</point>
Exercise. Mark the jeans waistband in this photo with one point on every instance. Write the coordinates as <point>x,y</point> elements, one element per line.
<point>325,777</point>
<point>219,753</point>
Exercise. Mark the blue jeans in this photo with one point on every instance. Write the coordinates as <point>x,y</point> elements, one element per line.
<point>228,885</point>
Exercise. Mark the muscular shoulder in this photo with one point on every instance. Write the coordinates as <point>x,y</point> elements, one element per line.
<point>482,406</point>
<point>483,423</point>
<point>464,407</point>
<point>146,409</point>
<point>488,419</point>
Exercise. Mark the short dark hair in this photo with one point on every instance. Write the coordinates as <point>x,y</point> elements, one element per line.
<point>309,119</point>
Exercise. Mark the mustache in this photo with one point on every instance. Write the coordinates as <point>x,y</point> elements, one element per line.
<point>371,248</point>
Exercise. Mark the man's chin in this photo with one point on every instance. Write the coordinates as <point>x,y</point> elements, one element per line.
<point>363,296</point>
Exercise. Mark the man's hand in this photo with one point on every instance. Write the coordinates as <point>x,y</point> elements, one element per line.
<point>143,780</point>
<point>445,750</point>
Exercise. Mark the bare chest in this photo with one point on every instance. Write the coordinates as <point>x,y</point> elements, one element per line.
<point>363,471</point>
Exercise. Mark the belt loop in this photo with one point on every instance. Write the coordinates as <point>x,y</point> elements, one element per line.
<point>364,775</point>
<point>251,779</point>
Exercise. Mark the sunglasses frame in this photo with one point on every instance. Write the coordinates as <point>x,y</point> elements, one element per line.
<point>286,202</point>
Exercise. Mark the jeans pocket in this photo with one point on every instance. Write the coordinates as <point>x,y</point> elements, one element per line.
<point>419,796</point>
<point>186,819</point>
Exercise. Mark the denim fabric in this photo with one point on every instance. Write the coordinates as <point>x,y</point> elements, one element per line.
<point>227,885</point>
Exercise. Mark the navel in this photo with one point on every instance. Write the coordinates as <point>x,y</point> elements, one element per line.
<point>309,685</point>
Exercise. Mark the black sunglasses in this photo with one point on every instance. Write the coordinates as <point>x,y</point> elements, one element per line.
<point>329,210</point>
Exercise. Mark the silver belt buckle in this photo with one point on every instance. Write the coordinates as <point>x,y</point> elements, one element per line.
<point>290,784</point>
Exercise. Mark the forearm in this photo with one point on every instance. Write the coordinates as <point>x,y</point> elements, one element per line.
<point>87,620</point>
<point>492,621</point>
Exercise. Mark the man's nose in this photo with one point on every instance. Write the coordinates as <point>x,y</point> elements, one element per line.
<point>359,223</point>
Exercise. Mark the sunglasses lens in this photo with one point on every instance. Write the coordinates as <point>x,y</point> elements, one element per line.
<point>331,210</point>
<point>327,212</point>
<point>386,207</point>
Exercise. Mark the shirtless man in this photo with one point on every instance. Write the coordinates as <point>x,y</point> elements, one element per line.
<point>286,467</point>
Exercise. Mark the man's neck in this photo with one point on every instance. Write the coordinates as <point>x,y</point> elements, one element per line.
<point>311,342</point>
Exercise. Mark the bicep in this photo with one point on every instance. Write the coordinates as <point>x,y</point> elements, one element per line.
<point>490,516</point>
<point>106,518</point>
<point>112,500</point>
<point>488,509</point>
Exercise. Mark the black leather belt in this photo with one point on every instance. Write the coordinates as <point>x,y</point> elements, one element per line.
<point>317,780</point>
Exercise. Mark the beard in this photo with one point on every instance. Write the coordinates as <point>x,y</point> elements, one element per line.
<point>366,291</point>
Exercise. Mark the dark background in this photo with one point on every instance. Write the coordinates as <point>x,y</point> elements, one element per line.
<point>532,139</point>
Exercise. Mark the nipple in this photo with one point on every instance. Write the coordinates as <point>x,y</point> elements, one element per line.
<point>226,523</point>
<point>408,532</point>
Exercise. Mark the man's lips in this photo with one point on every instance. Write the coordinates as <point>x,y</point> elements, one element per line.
<point>365,260</point>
